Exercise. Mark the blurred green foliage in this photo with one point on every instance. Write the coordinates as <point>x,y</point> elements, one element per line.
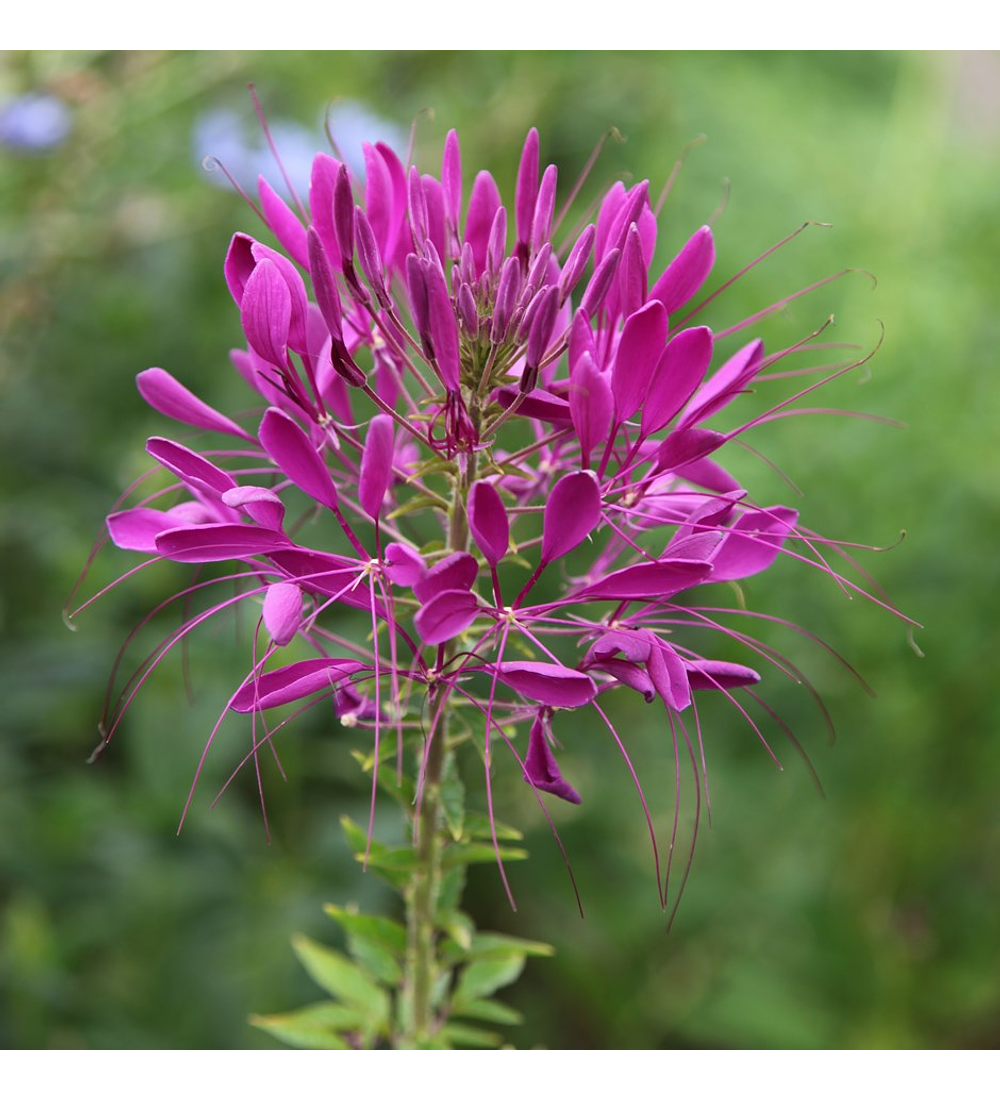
<point>866,919</point>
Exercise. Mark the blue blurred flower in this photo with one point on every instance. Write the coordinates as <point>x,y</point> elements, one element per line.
<point>222,134</point>
<point>34,123</point>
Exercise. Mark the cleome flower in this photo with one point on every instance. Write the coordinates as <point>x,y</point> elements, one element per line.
<point>495,440</point>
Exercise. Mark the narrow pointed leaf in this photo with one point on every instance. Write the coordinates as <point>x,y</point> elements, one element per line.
<point>339,977</point>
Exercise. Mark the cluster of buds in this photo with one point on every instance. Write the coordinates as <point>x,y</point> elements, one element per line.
<point>462,405</point>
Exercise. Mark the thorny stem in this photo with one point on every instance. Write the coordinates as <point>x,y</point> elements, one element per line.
<point>422,893</point>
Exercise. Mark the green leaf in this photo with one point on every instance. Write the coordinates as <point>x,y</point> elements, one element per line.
<point>463,1035</point>
<point>393,864</point>
<point>415,504</point>
<point>344,980</point>
<point>459,928</point>
<point>511,469</point>
<point>492,1011</point>
<point>480,979</point>
<point>453,799</point>
<point>435,465</point>
<point>494,944</point>
<point>401,788</point>
<point>314,1027</point>
<point>378,943</point>
<point>452,885</point>
<point>478,853</point>
<point>477,827</point>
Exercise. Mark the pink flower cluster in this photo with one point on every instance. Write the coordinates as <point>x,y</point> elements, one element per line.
<point>491,438</point>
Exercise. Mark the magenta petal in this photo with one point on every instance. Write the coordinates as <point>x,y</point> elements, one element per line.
<point>554,685</point>
<point>283,223</point>
<point>434,203</point>
<point>219,542</point>
<point>458,570</point>
<point>446,615</point>
<point>669,675</point>
<point>282,611</point>
<point>581,341</point>
<point>686,272</point>
<point>540,767</point>
<point>714,511</point>
<point>628,674</point>
<point>321,184</point>
<point>709,475</point>
<point>686,445</point>
<point>591,405</point>
<point>526,192</point>
<point>753,543</point>
<point>483,205</point>
<point>380,202</point>
<point>451,178</point>
<point>190,467</point>
<point>541,225</point>
<point>678,374</point>
<point>292,451</point>
<point>632,274</point>
<point>573,511</point>
<point>404,565</point>
<point>161,391</point>
<point>708,675</point>
<point>262,505</point>
<point>649,580</point>
<point>639,350</point>
<point>443,327</point>
<point>293,682</point>
<point>600,284</point>
<point>137,528</point>
<point>537,406</point>
<point>239,264</point>
<point>329,575</point>
<point>266,312</point>
<point>376,465</point>
<point>699,547</point>
<point>488,521</point>
<point>634,644</point>
<point>729,380</point>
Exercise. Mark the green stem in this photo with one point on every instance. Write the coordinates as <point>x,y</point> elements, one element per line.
<point>421,900</point>
<point>422,965</point>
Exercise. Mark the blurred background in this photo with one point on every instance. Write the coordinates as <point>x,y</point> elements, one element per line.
<point>868,918</point>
